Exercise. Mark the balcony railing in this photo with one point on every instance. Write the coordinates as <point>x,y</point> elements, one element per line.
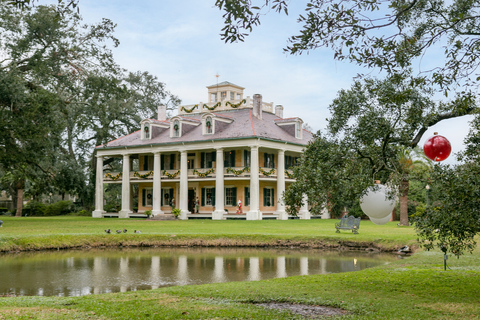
<point>199,173</point>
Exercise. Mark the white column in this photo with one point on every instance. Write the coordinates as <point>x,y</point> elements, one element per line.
<point>219,188</point>
<point>304,213</point>
<point>99,190</point>
<point>183,203</point>
<point>218,271</point>
<point>254,270</point>
<point>157,185</point>
<point>254,213</point>
<point>182,271</point>
<point>304,266</point>
<point>282,215</point>
<point>325,212</point>
<point>125,212</point>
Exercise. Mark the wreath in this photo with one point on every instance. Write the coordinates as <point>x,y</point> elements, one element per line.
<point>209,124</point>
<point>175,127</point>
<point>149,196</point>
<point>146,129</point>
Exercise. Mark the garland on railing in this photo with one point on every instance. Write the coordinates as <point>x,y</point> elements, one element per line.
<point>189,110</point>
<point>109,175</point>
<point>171,175</point>
<point>218,104</point>
<point>236,105</point>
<point>289,175</point>
<point>204,174</point>
<point>238,172</point>
<point>143,176</point>
<point>267,173</point>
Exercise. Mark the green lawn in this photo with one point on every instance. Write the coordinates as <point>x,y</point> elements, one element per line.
<point>412,288</point>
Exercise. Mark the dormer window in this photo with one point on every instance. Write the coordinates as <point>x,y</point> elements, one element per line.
<point>208,125</point>
<point>298,130</point>
<point>146,131</point>
<point>176,129</point>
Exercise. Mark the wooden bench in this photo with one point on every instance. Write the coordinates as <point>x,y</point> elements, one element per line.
<point>348,223</point>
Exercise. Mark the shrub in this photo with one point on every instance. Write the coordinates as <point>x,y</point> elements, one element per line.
<point>59,208</point>
<point>82,213</point>
<point>34,208</point>
<point>148,213</point>
<point>3,210</point>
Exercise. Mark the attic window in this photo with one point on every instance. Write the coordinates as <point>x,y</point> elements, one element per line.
<point>298,130</point>
<point>209,125</point>
<point>176,129</point>
<point>146,131</point>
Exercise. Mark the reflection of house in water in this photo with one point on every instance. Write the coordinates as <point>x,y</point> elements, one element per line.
<point>232,148</point>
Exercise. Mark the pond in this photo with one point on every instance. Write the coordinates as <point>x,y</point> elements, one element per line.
<point>77,273</point>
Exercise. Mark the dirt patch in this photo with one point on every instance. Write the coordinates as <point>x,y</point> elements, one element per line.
<point>308,311</point>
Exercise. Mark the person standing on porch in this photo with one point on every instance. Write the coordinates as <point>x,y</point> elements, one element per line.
<point>239,207</point>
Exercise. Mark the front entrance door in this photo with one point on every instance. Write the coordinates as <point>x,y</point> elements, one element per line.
<point>191,201</point>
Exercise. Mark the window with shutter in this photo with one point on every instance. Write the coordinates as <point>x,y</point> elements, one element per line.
<point>247,196</point>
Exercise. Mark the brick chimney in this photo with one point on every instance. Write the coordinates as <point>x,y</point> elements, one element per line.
<point>257,106</point>
<point>279,111</point>
<point>162,112</point>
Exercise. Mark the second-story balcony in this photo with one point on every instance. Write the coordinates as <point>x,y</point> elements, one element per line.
<point>194,174</point>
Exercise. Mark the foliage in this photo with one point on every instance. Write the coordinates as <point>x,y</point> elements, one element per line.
<point>389,35</point>
<point>35,208</point>
<point>148,213</point>
<point>176,212</point>
<point>62,94</point>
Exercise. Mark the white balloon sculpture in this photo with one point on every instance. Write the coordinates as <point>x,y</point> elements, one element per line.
<point>377,205</point>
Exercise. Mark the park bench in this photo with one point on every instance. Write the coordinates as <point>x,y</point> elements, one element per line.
<point>348,223</point>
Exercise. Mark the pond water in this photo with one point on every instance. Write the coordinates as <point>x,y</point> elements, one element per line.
<point>77,273</point>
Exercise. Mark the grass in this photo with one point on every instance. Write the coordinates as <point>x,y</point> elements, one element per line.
<point>413,288</point>
<point>70,232</point>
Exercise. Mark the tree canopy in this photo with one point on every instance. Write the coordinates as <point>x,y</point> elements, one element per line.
<point>62,94</point>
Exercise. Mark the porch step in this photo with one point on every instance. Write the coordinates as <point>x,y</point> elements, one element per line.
<point>166,216</point>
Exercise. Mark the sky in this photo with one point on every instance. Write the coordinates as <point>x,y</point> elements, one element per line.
<point>179,42</point>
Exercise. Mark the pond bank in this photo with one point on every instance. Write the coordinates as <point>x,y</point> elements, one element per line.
<point>63,242</point>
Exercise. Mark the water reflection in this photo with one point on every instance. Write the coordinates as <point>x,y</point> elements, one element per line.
<point>76,273</point>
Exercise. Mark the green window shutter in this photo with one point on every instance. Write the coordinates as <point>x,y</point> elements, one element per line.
<point>144,197</point>
<point>162,162</point>
<point>202,160</point>
<point>273,160</point>
<point>171,194</point>
<point>247,196</point>
<point>172,161</point>
<point>264,197</point>
<point>213,196</point>
<point>161,198</point>
<point>145,163</point>
<point>265,156</point>
<point>226,163</point>
<point>203,197</point>
<point>232,159</point>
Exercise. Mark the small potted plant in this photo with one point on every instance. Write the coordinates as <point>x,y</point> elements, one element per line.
<point>148,213</point>
<point>176,212</point>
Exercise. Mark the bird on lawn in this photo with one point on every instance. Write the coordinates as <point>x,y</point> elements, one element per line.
<point>124,230</point>
<point>404,249</point>
<point>119,231</point>
<point>137,231</point>
<point>107,231</point>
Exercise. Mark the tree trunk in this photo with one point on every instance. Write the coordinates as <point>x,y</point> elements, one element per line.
<point>405,185</point>
<point>19,203</point>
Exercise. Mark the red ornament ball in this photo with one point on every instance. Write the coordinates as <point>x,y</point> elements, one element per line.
<point>437,148</point>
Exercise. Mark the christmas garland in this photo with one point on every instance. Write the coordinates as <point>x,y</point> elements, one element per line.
<point>189,110</point>
<point>143,176</point>
<point>238,172</point>
<point>218,104</point>
<point>109,175</point>
<point>172,175</point>
<point>236,105</point>
<point>289,175</point>
<point>204,174</point>
<point>267,173</point>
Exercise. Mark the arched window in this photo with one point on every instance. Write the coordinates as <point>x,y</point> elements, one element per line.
<point>298,131</point>
<point>176,128</point>
<point>209,125</point>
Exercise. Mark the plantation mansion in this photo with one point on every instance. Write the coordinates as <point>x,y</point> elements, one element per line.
<point>207,158</point>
